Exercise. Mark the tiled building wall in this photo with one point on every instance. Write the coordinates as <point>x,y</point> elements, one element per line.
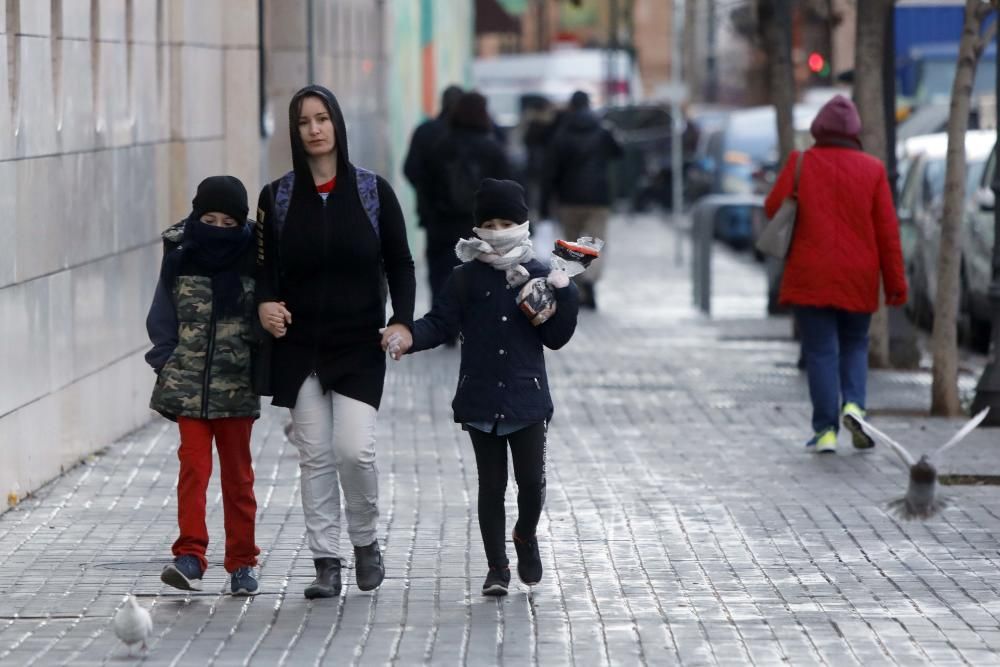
<point>111,111</point>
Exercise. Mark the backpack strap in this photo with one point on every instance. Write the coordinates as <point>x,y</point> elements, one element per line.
<point>282,198</point>
<point>368,193</point>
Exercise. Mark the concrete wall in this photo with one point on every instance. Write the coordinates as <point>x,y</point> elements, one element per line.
<point>110,114</point>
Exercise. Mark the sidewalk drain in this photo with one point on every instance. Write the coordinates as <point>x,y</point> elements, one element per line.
<point>969,480</point>
<point>154,565</point>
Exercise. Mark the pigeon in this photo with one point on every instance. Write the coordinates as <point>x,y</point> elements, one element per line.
<point>921,500</point>
<point>132,623</point>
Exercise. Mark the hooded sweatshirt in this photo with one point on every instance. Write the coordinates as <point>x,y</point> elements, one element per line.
<point>327,267</point>
<point>846,232</point>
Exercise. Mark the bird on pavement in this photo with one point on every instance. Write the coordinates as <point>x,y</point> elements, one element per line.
<point>132,623</point>
<point>921,500</point>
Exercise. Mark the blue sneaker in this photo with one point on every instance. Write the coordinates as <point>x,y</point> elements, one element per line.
<point>184,573</point>
<point>243,582</point>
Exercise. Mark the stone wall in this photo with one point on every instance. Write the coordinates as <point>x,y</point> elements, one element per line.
<point>110,114</point>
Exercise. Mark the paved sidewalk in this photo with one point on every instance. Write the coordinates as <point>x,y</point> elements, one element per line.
<point>684,523</point>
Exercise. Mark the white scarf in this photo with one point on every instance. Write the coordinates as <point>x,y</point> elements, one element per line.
<point>505,249</point>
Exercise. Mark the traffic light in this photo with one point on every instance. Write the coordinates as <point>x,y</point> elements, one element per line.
<point>818,64</point>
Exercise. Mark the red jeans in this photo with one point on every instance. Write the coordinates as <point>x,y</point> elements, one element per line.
<point>232,438</point>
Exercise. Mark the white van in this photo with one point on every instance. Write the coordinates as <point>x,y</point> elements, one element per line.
<point>555,75</point>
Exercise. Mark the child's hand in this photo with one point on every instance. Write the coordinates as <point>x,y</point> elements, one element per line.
<point>396,340</point>
<point>558,279</point>
<point>274,317</point>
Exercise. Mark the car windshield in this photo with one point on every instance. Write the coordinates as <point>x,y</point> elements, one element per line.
<point>935,173</point>
<point>934,180</point>
<point>937,77</point>
<point>752,134</point>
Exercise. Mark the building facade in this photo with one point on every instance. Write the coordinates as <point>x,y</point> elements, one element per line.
<point>111,112</point>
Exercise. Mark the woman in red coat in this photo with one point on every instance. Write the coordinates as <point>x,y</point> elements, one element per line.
<point>846,237</point>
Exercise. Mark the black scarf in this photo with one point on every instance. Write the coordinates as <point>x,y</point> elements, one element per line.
<point>216,251</point>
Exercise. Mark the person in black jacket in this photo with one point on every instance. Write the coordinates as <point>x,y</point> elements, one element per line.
<point>424,138</point>
<point>576,172</point>
<point>200,326</point>
<point>503,390</point>
<point>332,238</point>
<point>463,157</point>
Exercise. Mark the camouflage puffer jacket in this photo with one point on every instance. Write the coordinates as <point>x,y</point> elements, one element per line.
<point>206,365</point>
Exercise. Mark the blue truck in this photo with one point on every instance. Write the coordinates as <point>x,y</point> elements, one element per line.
<point>927,36</point>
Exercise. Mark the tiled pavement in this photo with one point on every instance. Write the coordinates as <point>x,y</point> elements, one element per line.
<point>684,523</point>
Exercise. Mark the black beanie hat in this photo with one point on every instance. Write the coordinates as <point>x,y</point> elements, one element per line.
<point>224,194</point>
<point>500,199</point>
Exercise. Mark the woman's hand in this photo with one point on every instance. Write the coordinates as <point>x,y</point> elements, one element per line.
<point>396,340</point>
<point>274,317</point>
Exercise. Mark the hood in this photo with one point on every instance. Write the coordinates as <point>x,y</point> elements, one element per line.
<point>581,119</point>
<point>300,162</point>
<point>837,120</point>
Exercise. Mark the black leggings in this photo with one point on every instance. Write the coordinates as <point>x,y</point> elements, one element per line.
<point>527,449</point>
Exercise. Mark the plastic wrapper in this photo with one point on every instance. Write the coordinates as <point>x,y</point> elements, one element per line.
<point>537,298</point>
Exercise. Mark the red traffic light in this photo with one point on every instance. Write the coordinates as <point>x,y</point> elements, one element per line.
<point>816,62</point>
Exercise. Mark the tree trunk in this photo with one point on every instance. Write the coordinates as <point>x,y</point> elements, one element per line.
<point>774,20</point>
<point>868,55</point>
<point>944,339</point>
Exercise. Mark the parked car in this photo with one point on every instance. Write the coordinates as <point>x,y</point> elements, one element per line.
<point>741,157</point>
<point>920,207</point>
<point>643,175</point>
<point>977,258</point>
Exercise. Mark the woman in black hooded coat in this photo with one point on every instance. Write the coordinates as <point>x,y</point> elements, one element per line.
<point>331,239</point>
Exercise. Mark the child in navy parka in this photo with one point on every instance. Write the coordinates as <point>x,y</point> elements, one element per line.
<point>502,397</point>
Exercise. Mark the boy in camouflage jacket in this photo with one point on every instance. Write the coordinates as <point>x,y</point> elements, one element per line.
<point>200,326</point>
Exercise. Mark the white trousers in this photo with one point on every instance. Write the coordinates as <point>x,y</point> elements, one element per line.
<point>335,436</point>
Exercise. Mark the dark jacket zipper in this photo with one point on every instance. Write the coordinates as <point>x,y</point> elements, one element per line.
<point>462,381</point>
<point>207,377</point>
<point>326,250</point>
<point>537,384</point>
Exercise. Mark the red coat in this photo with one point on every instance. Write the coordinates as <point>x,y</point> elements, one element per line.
<point>845,235</point>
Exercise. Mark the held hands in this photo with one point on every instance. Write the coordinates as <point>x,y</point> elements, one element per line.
<point>396,340</point>
<point>274,317</point>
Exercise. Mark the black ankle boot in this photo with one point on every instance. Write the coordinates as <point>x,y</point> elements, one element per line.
<point>368,566</point>
<point>327,581</point>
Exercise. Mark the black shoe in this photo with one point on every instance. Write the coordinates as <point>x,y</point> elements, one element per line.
<point>184,573</point>
<point>327,581</point>
<point>497,581</point>
<point>368,567</point>
<point>529,561</point>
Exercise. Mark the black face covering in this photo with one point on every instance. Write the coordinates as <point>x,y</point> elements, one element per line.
<point>215,250</point>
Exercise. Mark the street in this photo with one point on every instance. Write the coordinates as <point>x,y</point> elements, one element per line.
<point>684,522</point>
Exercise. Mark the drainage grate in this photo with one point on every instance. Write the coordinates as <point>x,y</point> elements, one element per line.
<point>969,480</point>
<point>153,565</point>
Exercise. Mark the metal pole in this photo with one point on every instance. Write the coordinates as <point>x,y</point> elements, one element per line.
<point>903,349</point>
<point>677,159</point>
<point>988,389</point>
<point>310,53</point>
<point>711,66</point>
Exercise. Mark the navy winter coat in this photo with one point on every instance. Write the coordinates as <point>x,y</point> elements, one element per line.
<point>502,375</point>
